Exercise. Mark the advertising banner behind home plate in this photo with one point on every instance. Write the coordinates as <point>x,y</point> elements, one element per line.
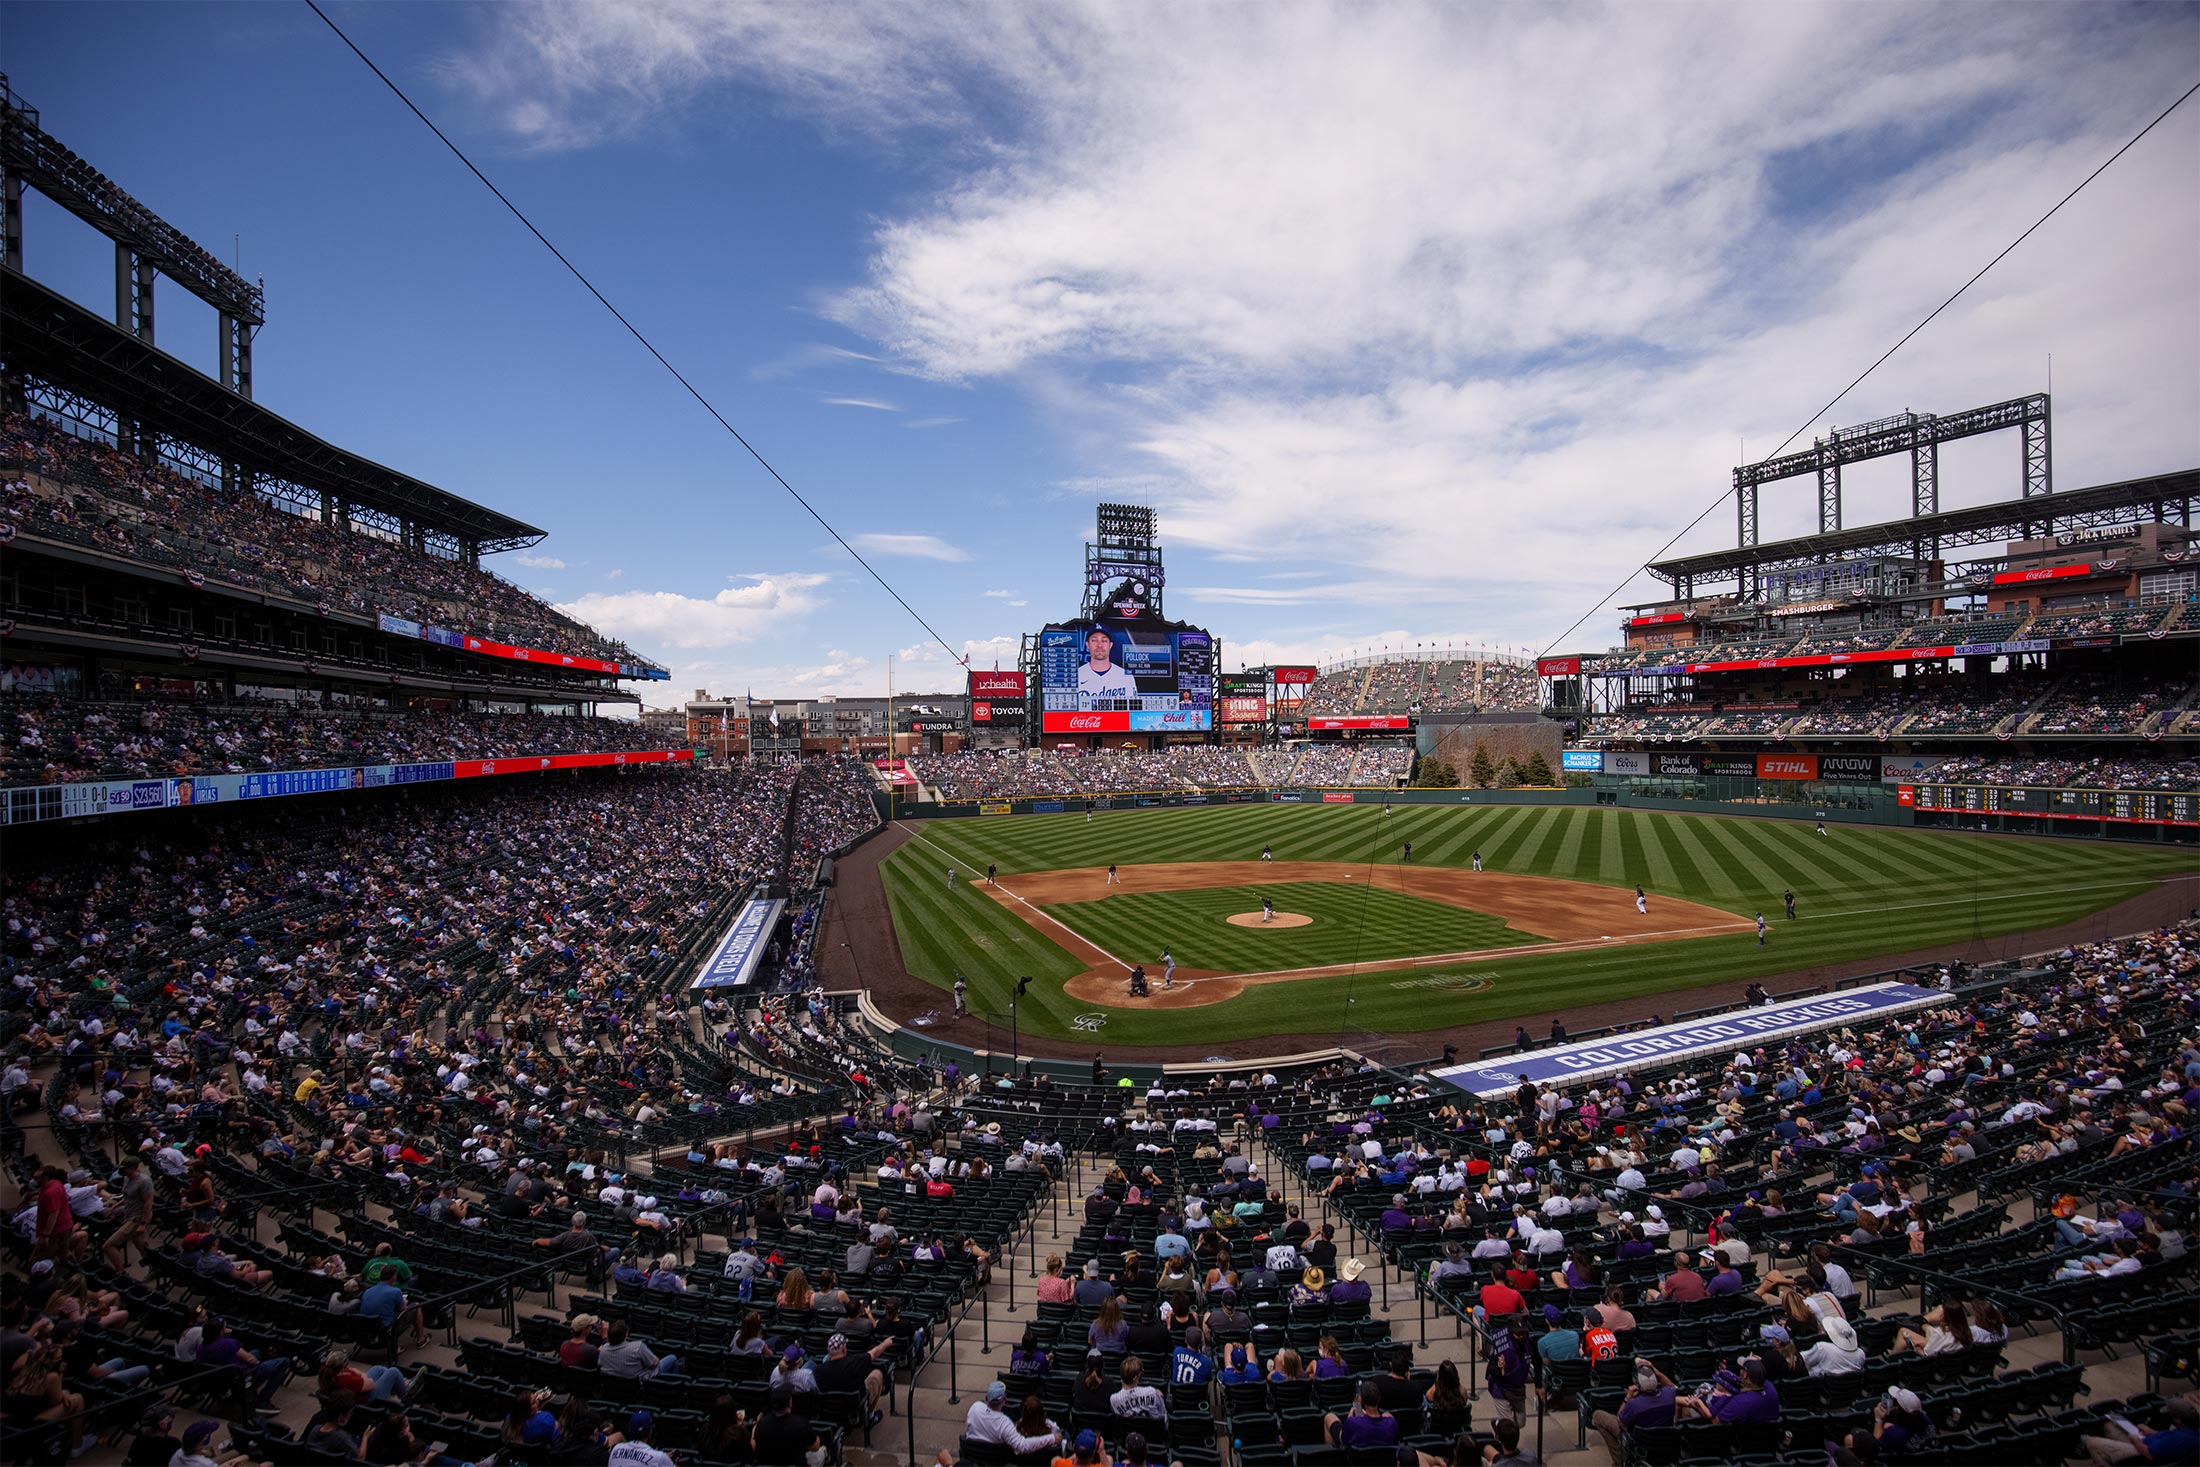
<point>1711,1038</point>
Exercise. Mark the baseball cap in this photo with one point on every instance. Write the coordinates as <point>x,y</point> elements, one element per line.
<point>639,1423</point>
<point>198,1431</point>
<point>795,1352</point>
<point>1086,1441</point>
<point>1902,1398</point>
<point>996,1393</point>
<point>1774,1334</point>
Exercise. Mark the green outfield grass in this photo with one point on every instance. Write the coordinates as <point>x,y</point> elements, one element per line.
<point>1863,891</point>
<point>1352,923</point>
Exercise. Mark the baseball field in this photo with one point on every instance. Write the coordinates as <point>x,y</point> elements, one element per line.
<point>1353,936</point>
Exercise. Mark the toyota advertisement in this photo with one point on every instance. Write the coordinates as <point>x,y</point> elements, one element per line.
<point>996,698</point>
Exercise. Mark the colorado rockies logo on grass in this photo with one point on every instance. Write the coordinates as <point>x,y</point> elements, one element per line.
<point>1453,982</point>
<point>1089,1023</point>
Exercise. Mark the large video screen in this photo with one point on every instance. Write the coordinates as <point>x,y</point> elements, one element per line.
<point>1097,677</point>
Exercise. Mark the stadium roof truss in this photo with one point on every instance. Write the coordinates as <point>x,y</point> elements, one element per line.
<point>1917,434</point>
<point>112,377</point>
<point>2164,497</point>
<point>50,338</point>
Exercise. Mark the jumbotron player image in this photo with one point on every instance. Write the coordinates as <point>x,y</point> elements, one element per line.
<point>1102,676</point>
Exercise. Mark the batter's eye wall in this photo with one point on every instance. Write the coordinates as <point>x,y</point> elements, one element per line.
<point>1519,737</point>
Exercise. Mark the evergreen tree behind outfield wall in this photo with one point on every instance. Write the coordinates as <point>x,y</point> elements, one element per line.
<point>1483,769</point>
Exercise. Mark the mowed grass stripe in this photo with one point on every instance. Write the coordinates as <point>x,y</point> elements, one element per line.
<point>1728,863</point>
<point>1655,867</point>
<point>1531,857</point>
<point>1611,854</point>
<point>1574,832</point>
<point>1509,839</point>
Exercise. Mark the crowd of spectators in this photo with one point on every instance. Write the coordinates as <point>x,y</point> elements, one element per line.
<point>1424,685</point>
<point>69,487</point>
<point>2117,620</point>
<point>2100,703</point>
<point>1018,774</point>
<point>2133,771</point>
<point>835,807</point>
<point>52,740</point>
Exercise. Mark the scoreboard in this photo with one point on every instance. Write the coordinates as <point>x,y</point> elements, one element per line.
<point>2138,807</point>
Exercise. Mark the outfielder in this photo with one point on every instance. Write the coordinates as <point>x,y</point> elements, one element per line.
<point>1477,860</point>
<point>1267,853</point>
<point>1760,929</point>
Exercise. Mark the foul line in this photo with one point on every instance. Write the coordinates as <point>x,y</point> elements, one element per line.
<point>1039,911</point>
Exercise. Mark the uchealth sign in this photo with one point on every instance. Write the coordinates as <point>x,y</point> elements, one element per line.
<point>1718,1035</point>
<point>997,685</point>
<point>1787,766</point>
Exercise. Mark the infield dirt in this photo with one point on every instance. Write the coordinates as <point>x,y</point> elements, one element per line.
<point>1570,914</point>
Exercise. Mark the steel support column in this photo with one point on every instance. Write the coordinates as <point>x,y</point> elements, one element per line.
<point>235,347</point>
<point>1829,486</point>
<point>2039,473</point>
<point>11,221</point>
<point>1925,488</point>
<point>1745,509</point>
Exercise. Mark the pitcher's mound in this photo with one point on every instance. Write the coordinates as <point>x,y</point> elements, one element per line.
<point>1281,919</point>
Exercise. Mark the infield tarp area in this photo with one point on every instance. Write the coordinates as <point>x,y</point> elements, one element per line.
<point>1596,1059</point>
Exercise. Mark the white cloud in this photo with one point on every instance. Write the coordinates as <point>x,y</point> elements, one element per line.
<point>1003,595</point>
<point>1019,603</point>
<point>1469,306</point>
<point>979,652</point>
<point>758,605</point>
<point>920,547</point>
<point>614,575</point>
<point>931,422</point>
<point>540,562</point>
<point>862,402</point>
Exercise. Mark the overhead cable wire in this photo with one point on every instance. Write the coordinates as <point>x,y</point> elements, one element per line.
<point>632,330</point>
<point>1877,363</point>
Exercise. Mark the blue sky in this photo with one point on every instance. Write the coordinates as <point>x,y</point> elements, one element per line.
<point>1415,323</point>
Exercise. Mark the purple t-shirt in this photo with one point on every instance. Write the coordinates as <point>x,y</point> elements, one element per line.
<point>1367,1431</point>
<point>1762,1404</point>
<point>1727,1281</point>
<point>1655,1409</point>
